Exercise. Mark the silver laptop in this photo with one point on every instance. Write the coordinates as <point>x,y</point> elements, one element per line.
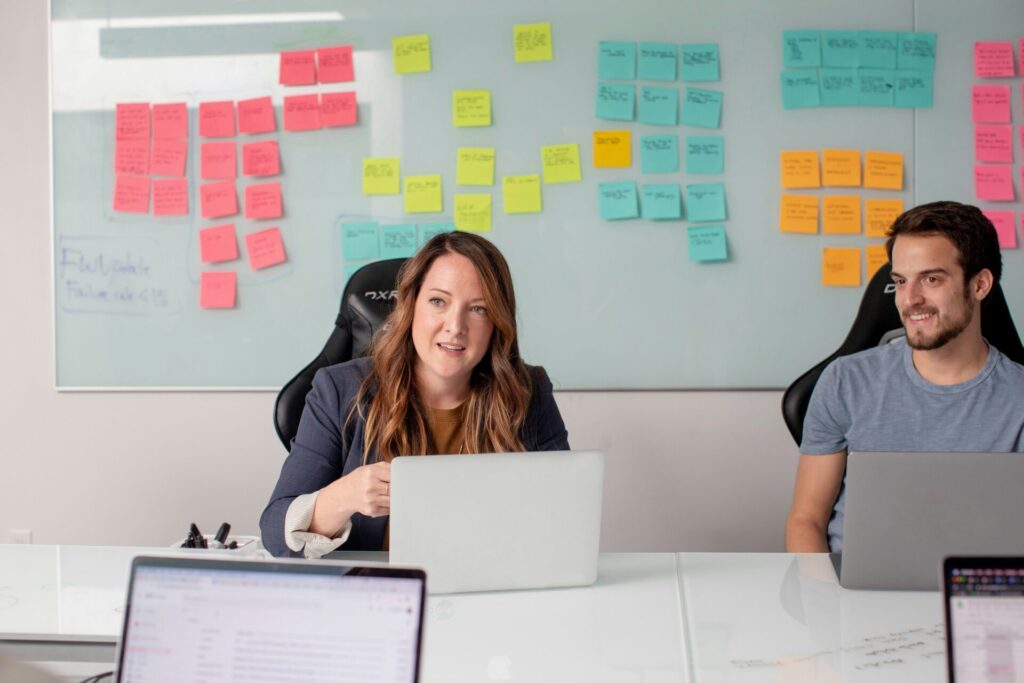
<point>197,619</point>
<point>498,521</point>
<point>905,512</point>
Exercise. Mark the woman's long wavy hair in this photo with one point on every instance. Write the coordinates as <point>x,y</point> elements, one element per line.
<point>388,400</point>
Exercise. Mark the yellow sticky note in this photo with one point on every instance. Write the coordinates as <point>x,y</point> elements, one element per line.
<point>471,108</point>
<point>423,194</point>
<point>380,175</point>
<point>612,149</point>
<point>474,166</point>
<point>532,42</point>
<point>799,169</point>
<point>798,213</point>
<point>840,215</point>
<point>411,53</point>
<point>840,167</point>
<point>875,257</point>
<point>560,163</point>
<point>840,267</point>
<point>521,193</point>
<point>473,212</point>
<point>879,215</point>
<point>883,170</point>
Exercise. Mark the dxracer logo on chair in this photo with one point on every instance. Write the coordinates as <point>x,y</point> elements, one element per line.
<point>381,294</point>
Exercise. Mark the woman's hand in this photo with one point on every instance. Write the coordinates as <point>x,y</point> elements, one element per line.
<point>366,490</point>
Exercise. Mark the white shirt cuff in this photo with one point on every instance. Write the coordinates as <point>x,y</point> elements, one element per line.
<point>297,535</point>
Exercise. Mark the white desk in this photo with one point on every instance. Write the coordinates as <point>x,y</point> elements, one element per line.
<point>659,618</point>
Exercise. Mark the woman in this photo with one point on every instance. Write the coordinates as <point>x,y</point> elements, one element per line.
<point>444,376</point>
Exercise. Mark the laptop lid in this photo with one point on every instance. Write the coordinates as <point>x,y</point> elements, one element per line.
<point>192,619</point>
<point>905,512</point>
<point>984,601</point>
<point>498,521</point>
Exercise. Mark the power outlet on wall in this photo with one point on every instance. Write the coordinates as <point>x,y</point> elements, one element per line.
<point>22,536</point>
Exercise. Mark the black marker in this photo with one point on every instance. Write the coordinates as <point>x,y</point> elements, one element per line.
<point>199,539</point>
<point>222,535</point>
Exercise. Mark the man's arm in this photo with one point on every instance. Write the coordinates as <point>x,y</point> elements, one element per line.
<point>818,478</point>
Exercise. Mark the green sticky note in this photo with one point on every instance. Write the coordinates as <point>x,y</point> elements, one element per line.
<point>800,89</point>
<point>428,230</point>
<point>699,62</point>
<point>916,51</point>
<point>616,60</point>
<point>705,154</point>
<point>706,243</point>
<point>878,49</point>
<point>423,194</point>
<point>398,241</point>
<point>659,153</point>
<point>876,87</point>
<point>659,106</point>
<point>474,166</point>
<point>411,54</point>
<point>618,201</point>
<point>702,108</point>
<point>359,240</point>
<point>839,88</point>
<point>521,193</point>
<point>801,49</point>
<point>840,49</point>
<point>661,202</point>
<point>616,102</point>
<point>657,62</point>
<point>914,89</point>
<point>705,202</point>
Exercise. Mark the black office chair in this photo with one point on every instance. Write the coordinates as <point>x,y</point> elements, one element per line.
<point>366,302</point>
<point>877,323</point>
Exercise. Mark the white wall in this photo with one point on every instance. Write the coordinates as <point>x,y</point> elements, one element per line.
<point>686,470</point>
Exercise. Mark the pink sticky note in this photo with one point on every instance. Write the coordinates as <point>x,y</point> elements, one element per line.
<point>218,199</point>
<point>131,121</point>
<point>170,121</point>
<point>170,197</point>
<point>334,64</point>
<point>168,158</point>
<point>256,116</point>
<point>993,60</point>
<point>261,158</point>
<point>131,156</point>
<point>217,289</point>
<point>338,109</point>
<point>217,160</point>
<point>131,194</point>
<point>990,104</point>
<point>301,112</point>
<point>298,67</point>
<point>993,143</point>
<point>264,248</point>
<point>218,244</point>
<point>993,183</point>
<point>263,201</point>
<point>216,119</point>
<point>1006,227</point>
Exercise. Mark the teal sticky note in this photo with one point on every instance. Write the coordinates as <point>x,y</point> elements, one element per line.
<point>706,243</point>
<point>878,49</point>
<point>839,88</point>
<point>800,89</point>
<point>705,154</point>
<point>616,102</point>
<point>398,241</point>
<point>914,89</point>
<point>840,49</point>
<point>657,62</point>
<point>705,202</point>
<point>702,108</point>
<point>699,62</point>
<point>618,201</point>
<point>359,241</point>
<point>801,49</point>
<point>616,60</point>
<point>916,51</point>
<point>877,87</point>
<point>661,202</point>
<point>428,230</point>
<point>659,106</point>
<point>659,153</point>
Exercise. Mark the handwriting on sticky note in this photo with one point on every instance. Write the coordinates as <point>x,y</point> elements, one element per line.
<point>661,202</point>
<point>883,170</point>
<point>411,54</point>
<point>699,62</point>
<point>334,64</point>
<point>616,60</point>
<point>879,215</point>
<point>217,119</point>
<point>532,42</point>
<point>993,144</point>
<point>265,248</point>
<point>799,169</point>
<point>131,121</point>
<point>398,241</point>
<point>473,212</point>
<point>131,155</point>
<point>217,289</point>
<point>338,109</point>
<point>301,112</point>
<point>840,267</point>
<point>706,243</point>
<point>423,194</point>
<point>705,154</point>
<point>381,175</point>
<point>840,214</point>
<point>916,51</point>
<point>474,166</point>
<point>612,149</point>
<point>659,106</point>
<point>170,197</point>
<point>170,121</point>
<point>840,168</point>
<point>561,163</point>
<point>618,201</point>
<point>657,61</point>
<point>218,243</point>
<point>168,158</point>
<point>359,241</point>
<point>840,49</point>
<point>993,183</point>
<point>878,49</point>
<point>798,213</point>
<point>993,60</point>
<point>131,194</point>
<point>705,202</point>
<point>1006,227</point>
<point>800,89</point>
<point>256,115</point>
<point>218,199</point>
<point>218,160</point>
<point>263,200</point>
<point>990,103</point>
<point>297,67</point>
<point>875,257</point>
<point>801,49</point>
<point>839,87</point>
<point>702,108</point>
<point>615,102</point>
<point>261,158</point>
<point>914,89</point>
<point>659,153</point>
<point>521,193</point>
<point>471,108</point>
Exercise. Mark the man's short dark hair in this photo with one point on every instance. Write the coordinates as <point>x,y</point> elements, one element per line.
<point>970,231</point>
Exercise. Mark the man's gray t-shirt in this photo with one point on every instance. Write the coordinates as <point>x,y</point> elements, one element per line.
<point>876,400</point>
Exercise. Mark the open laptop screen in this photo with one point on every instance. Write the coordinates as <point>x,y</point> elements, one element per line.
<point>202,620</point>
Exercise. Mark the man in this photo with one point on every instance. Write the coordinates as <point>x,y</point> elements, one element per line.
<point>942,389</point>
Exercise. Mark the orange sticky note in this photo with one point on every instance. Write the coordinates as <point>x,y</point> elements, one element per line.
<point>170,197</point>
<point>217,119</point>
<point>217,160</point>
<point>334,64</point>
<point>879,215</point>
<point>256,116</point>
<point>261,158</point>
<point>840,167</point>
<point>883,170</point>
<point>799,169</point>
<point>217,289</point>
<point>265,248</point>
<point>840,214</point>
<point>840,267</point>
<point>170,121</point>
<point>302,112</point>
<point>612,149</point>
<point>218,199</point>
<point>131,194</point>
<point>263,201</point>
<point>168,158</point>
<point>338,109</point>
<point>218,244</point>
<point>131,155</point>
<point>875,257</point>
<point>798,213</point>
<point>298,67</point>
<point>131,121</point>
